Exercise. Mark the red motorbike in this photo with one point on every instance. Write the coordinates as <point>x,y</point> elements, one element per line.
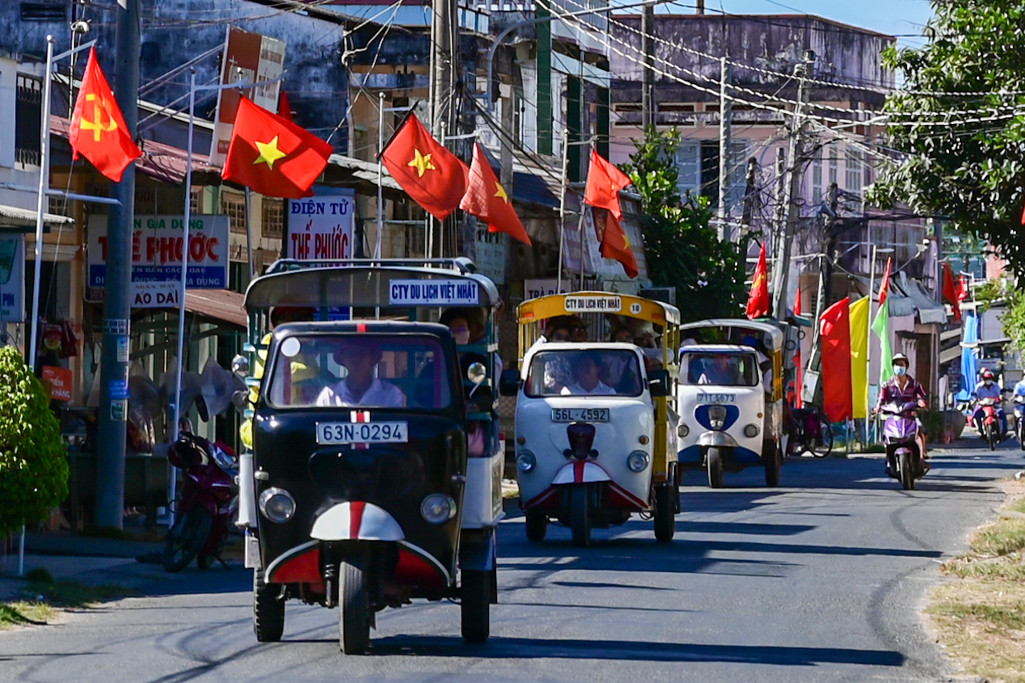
<point>207,504</point>
<point>990,419</point>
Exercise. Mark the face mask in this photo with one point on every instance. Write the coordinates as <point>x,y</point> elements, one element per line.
<point>462,337</point>
<point>988,382</point>
<point>900,370</point>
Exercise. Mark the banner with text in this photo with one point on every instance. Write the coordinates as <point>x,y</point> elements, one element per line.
<point>157,245</point>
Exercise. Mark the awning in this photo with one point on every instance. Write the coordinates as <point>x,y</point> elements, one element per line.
<point>220,304</point>
<point>908,296</point>
<point>14,217</point>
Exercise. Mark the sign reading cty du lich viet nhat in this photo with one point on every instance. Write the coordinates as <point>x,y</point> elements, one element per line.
<point>157,245</point>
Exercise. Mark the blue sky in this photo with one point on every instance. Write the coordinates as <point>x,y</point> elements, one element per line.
<point>894,17</point>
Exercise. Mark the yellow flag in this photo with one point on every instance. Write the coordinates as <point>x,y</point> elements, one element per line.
<point>859,356</point>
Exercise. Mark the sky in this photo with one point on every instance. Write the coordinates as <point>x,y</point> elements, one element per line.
<point>893,17</point>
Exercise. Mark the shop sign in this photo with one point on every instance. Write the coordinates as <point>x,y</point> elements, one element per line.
<point>12,278</point>
<point>321,227</point>
<point>58,382</point>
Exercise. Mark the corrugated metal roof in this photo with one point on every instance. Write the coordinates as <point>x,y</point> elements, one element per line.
<point>26,218</point>
<point>220,304</point>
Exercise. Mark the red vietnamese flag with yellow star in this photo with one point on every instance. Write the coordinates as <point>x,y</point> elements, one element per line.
<point>98,130</point>
<point>613,242</point>
<point>758,300</point>
<point>432,176</point>
<point>272,155</point>
<point>486,199</point>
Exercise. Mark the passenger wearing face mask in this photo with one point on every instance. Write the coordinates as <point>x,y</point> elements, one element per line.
<point>988,388</point>
<point>901,389</point>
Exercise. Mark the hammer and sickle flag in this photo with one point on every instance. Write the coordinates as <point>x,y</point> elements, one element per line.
<point>432,176</point>
<point>98,131</point>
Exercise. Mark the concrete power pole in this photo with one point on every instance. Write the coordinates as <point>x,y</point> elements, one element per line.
<point>117,307</point>
<point>444,64</point>
<point>796,158</point>
<point>648,105</point>
<point>725,127</point>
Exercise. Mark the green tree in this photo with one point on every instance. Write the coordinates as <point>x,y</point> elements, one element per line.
<point>33,466</point>
<point>682,249</point>
<point>962,137</point>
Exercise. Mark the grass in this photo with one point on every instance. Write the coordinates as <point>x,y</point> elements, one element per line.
<point>978,614</point>
<point>42,597</point>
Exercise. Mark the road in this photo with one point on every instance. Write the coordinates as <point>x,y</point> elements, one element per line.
<point>821,579</point>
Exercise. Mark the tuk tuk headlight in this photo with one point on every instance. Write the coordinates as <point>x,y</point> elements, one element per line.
<point>682,430</point>
<point>637,461</point>
<point>277,505</point>
<point>751,431</point>
<point>438,508</point>
<point>525,461</point>
<point>716,416</point>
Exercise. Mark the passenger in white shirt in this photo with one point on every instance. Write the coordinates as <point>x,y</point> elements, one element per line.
<point>360,387</point>
<point>587,370</point>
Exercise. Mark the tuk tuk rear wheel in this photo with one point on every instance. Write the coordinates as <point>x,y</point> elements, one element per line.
<point>579,515</point>
<point>475,605</point>
<point>268,610</point>
<point>714,461</point>
<point>665,512</point>
<point>354,620</point>
<point>772,465</point>
<point>537,525</point>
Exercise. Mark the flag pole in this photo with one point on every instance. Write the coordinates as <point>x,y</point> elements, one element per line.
<point>562,206</point>
<point>868,347</point>
<point>380,175</point>
<point>44,181</point>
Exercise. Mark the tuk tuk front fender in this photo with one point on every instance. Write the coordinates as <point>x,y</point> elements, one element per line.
<point>717,440</point>
<point>580,472</point>
<point>356,521</point>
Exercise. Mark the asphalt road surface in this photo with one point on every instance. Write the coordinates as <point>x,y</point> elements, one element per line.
<point>821,579</point>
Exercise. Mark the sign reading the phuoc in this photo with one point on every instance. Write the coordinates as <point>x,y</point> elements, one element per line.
<point>157,246</point>
<point>321,227</point>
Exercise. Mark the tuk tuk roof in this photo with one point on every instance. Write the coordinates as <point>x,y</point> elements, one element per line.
<point>772,330</point>
<point>394,283</point>
<point>553,305</point>
<point>716,348</point>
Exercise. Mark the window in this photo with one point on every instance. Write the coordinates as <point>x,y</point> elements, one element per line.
<point>43,11</point>
<point>273,217</point>
<point>816,178</point>
<point>27,116</point>
<point>233,204</point>
<point>853,175</point>
<point>581,373</point>
<point>719,369</point>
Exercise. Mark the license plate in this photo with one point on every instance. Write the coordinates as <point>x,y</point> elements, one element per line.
<point>580,414</point>
<point>362,432</point>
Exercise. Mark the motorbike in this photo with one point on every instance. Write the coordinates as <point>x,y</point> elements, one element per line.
<point>1019,420</point>
<point>900,432</point>
<point>990,422</point>
<point>207,505</point>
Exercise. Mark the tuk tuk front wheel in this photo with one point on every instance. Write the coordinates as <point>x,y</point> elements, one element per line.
<point>354,620</point>
<point>537,525</point>
<point>773,460</point>
<point>580,515</point>
<point>475,605</point>
<point>268,610</point>
<point>665,509</point>
<point>713,459</point>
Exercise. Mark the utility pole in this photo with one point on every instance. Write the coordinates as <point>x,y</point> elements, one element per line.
<point>648,105</point>
<point>788,226</point>
<point>117,309</point>
<point>444,63</point>
<point>750,195</point>
<point>725,124</point>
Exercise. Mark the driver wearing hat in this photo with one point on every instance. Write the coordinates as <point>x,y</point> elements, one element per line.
<point>903,388</point>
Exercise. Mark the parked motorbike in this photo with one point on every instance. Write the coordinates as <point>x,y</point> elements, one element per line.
<point>991,432</point>
<point>900,432</point>
<point>207,505</point>
<point>1019,420</point>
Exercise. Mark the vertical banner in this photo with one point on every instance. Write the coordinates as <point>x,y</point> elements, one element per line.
<point>859,356</point>
<point>835,335</point>
<point>248,57</point>
<point>12,278</point>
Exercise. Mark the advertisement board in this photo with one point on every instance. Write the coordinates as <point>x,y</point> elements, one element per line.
<point>12,278</point>
<point>253,58</point>
<point>321,227</point>
<point>157,244</point>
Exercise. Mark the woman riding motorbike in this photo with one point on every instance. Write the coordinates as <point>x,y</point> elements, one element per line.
<point>903,388</point>
<point>988,388</point>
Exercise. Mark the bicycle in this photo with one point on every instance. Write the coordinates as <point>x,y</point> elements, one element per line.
<point>812,433</point>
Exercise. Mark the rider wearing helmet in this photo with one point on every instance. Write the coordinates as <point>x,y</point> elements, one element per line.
<point>988,388</point>
<point>903,388</point>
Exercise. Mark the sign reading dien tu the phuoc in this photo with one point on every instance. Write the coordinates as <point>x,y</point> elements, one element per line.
<point>593,304</point>
<point>433,293</point>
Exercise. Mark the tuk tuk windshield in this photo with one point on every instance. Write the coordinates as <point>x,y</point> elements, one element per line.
<point>719,369</point>
<point>382,371</point>
<point>568,372</point>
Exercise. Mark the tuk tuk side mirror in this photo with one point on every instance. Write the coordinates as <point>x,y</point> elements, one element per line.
<point>476,373</point>
<point>240,366</point>
<point>240,399</point>
<point>509,383</point>
<point>658,383</point>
